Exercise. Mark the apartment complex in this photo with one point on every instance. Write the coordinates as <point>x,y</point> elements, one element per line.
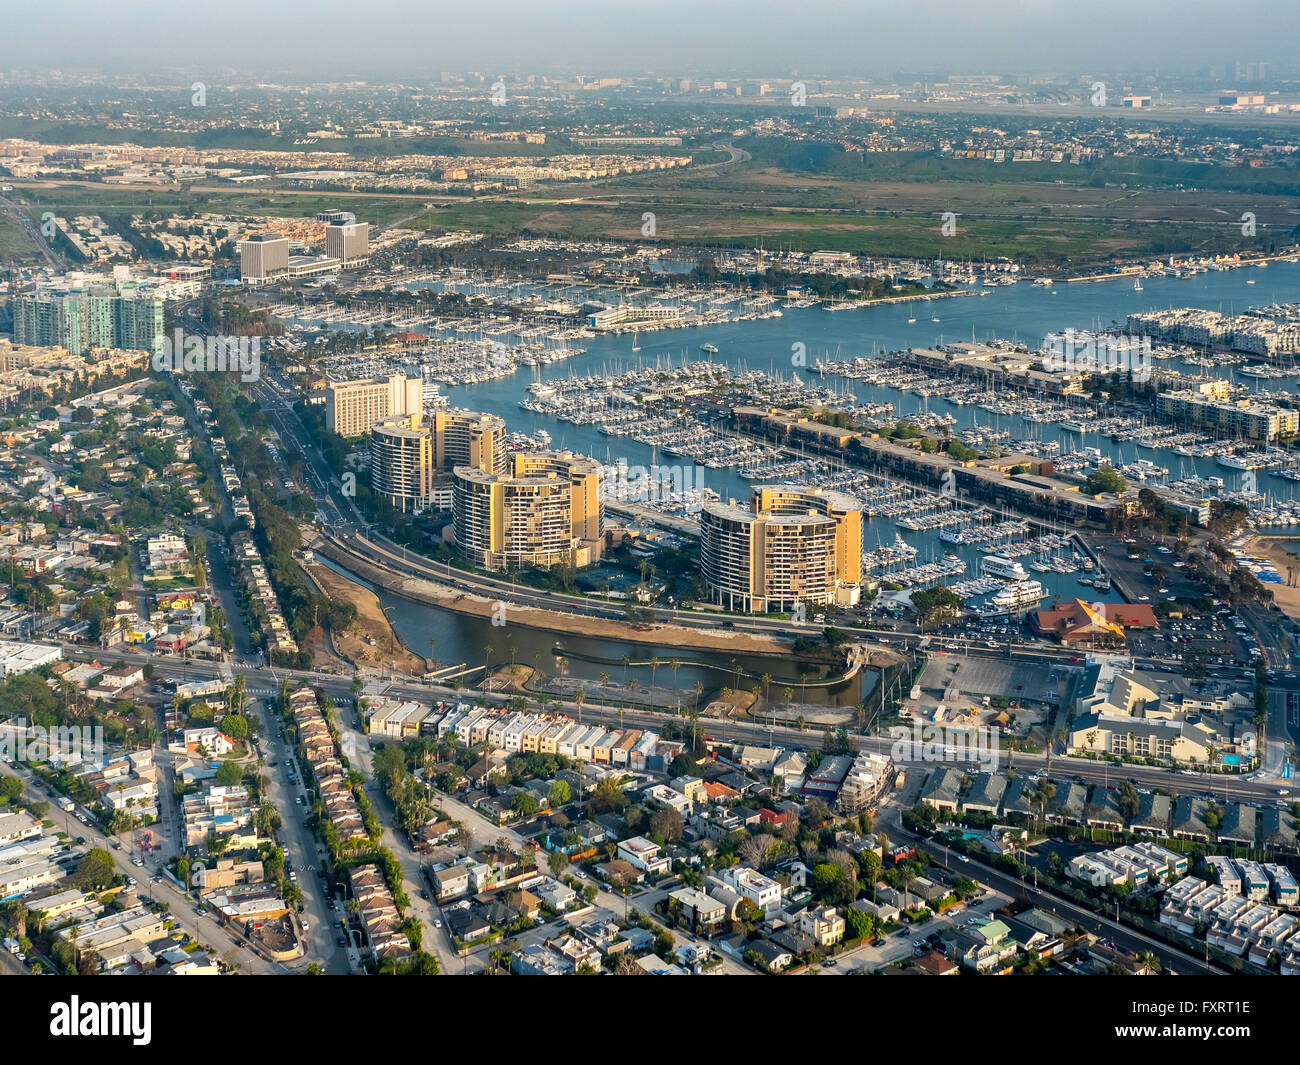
<point>352,407</point>
<point>795,545</point>
<point>114,315</point>
<point>1238,417</point>
<point>544,511</point>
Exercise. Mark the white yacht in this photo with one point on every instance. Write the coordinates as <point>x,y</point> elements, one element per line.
<point>1007,569</point>
<point>1015,597</point>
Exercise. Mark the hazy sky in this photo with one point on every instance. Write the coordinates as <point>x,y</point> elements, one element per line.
<point>401,38</point>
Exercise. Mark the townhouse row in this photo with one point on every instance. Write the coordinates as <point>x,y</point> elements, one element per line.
<point>1234,923</point>
<point>274,628</point>
<point>331,780</point>
<point>378,913</point>
<point>511,731</point>
<point>1185,817</point>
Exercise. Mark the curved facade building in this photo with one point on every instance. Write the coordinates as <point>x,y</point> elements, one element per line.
<point>545,510</point>
<point>401,463</point>
<point>793,545</point>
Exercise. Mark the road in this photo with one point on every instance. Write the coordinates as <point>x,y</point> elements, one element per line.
<point>302,849</point>
<point>265,680</point>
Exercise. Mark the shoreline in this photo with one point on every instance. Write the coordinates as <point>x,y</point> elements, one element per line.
<point>469,604</point>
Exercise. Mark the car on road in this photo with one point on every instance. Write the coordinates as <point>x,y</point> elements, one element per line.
<point>342,941</point>
<point>437,924</point>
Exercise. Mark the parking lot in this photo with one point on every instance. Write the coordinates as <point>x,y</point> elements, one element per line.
<point>994,677</point>
<point>1215,639</point>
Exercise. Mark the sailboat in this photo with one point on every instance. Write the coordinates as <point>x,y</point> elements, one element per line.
<point>910,321</point>
<point>1137,284</point>
<point>636,342</point>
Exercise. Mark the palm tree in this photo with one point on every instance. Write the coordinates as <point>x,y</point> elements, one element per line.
<point>578,697</point>
<point>655,662</point>
<point>487,654</point>
<point>699,690</point>
<point>604,678</point>
<point>433,642</point>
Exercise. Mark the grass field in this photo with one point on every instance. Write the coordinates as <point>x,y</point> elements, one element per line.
<point>15,245</point>
<point>812,195</point>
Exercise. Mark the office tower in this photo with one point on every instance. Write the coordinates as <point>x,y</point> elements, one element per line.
<point>348,240</point>
<point>263,257</point>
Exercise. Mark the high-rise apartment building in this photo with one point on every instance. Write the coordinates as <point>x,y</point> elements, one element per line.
<point>794,545</point>
<point>467,438</point>
<point>544,511</point>
<point>98,316</point>
<point>401,462</point>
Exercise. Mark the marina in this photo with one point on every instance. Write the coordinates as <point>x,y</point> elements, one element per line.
<point>665,403</point>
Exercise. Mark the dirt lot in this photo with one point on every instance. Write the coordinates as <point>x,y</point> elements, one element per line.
<point>388,651</point>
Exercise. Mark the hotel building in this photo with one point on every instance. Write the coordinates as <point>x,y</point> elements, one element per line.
<point>352,407</point>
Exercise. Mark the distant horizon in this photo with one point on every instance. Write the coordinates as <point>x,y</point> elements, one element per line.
<point>398,41</point>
